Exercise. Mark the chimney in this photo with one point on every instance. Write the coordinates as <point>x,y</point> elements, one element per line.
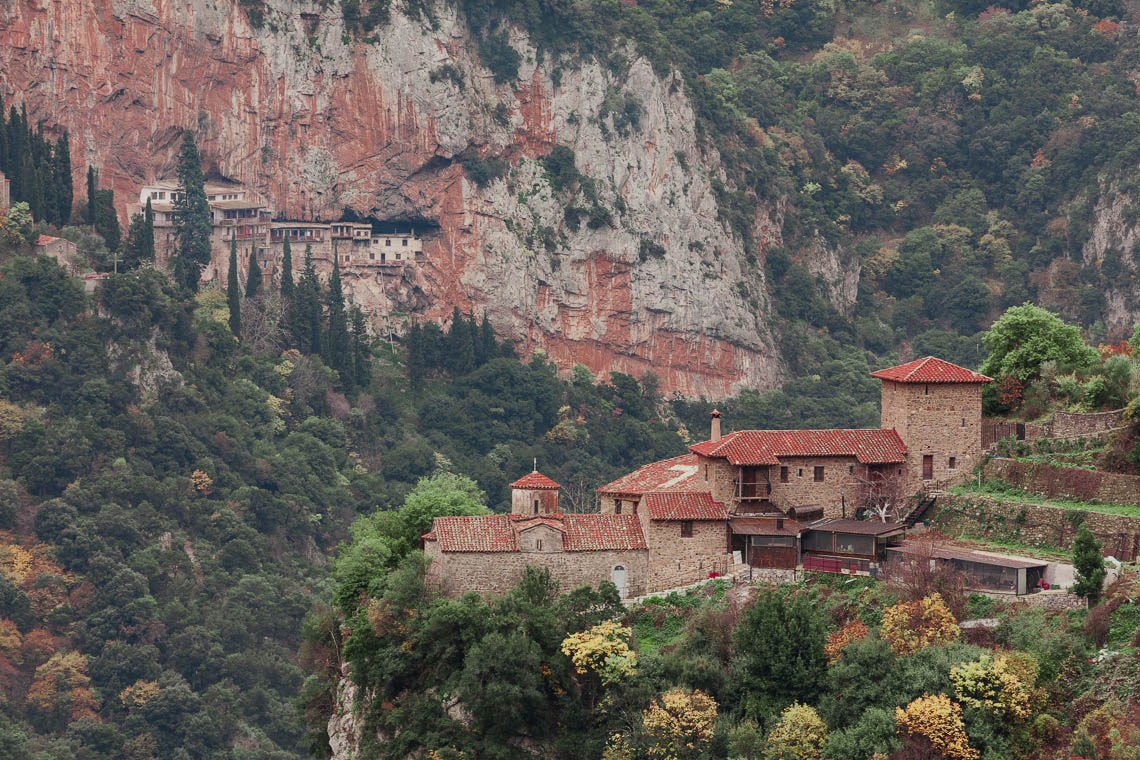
<point>714,434</point>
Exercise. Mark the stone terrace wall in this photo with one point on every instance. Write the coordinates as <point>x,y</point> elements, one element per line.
<point>1072,483</point>
<point>498,572</point>
<point>1032,524</point>
<point>1072,425</point>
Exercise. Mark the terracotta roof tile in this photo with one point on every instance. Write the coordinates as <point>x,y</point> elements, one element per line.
<point>760,447</point>
<point>483,533</point>
<point>593,532</point>
<point>535,481</point>
<point>930,370</point>
<point>499,533</point>
<point>683,505</point>
<point>676,474</point>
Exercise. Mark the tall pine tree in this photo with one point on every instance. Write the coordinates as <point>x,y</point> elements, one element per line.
<point>233,291</point>
<point>307,308</point>
<point>253,276</point>
<point>337,352</point>
<point>361,349</point>
<point>287,286</point>
<point>135,246</point>
<point>191,217</point>
<point>148,237</point>
<point>92,181</point>
<point>61,169</point>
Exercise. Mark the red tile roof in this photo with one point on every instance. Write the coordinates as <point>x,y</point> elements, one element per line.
<point>760,447</point>
<point>484,533</point>
<point>499,533</point>
<point>682,505</point>
<point>930,370</point>
<point>45,239</point>
<point>535,481</point>
<point>676,474</point>
<point>594,532</point>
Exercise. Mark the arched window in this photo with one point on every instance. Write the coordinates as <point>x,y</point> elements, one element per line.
<point>536,506</point>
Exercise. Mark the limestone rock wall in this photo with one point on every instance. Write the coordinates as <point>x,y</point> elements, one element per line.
<point>317,120</point>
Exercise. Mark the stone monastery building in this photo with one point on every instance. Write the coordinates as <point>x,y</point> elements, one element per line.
<point>769,494</point>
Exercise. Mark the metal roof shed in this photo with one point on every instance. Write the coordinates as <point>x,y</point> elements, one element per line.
<point>992,572</point>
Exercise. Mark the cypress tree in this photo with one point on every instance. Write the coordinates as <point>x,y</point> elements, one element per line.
<point>148,233</point>
<point>361,349</point>
<point>307,308</point>
<point>337,344</point>
<point>1088,561</point>
<point>134,247</point>
<point>91,181</point>
<point>191,216</point>
<point>415,356</point>
<point>106,221</point>
<point>233,294</point>
<point>287,286</point>
<point>488,339</point>
<point>31,187</point>
<point>253,277</point>
<point>65,190</point>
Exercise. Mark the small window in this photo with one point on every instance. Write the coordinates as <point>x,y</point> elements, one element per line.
<point>405,242</point>
<point>635,507</point>
<point>706,473</point>
<point>926,390</point>
<point>963,422</point>
<point>617,507</point>
<point>850,469</point>
<point>817,474</point>
<point>536,506</point>
<point>783,474</point>
<point>800,472</point>
<point>538,544</point>
<point>388,242</point>
<point>371,256</point>
<point>953,463</point>
<point>686,529</point>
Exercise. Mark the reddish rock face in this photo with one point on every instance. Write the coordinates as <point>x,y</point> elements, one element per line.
<point>317,122</point>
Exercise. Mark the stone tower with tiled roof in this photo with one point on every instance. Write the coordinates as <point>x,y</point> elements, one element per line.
<point>534,494</point>
<point>936,409</point>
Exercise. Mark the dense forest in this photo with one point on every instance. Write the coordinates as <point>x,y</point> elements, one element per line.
<point>210,501</point>
<point>952,151</point>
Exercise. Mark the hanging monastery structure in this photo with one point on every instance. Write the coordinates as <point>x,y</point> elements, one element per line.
<point>238,215</point>
<point>765,498</point>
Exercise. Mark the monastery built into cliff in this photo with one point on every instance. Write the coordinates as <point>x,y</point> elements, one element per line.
<point>759,498</point>
<point>240,215</point>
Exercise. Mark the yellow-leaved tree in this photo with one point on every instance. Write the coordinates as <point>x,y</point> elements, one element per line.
<point>61,691</point>
<point>841,639</point>
<point>1001,685</point>
<point>678,725</point>
<point>799,735</point>
<point>911,626</point>
<point>937,720</point>
<point>602,650</point>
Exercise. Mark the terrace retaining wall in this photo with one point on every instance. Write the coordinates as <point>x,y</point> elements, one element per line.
<point>1072,483</point>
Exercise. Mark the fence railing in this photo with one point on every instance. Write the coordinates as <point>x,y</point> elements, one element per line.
<point>846,565</point>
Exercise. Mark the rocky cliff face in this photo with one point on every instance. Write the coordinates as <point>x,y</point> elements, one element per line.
<point>1114,247</point>
<point>318,121</point>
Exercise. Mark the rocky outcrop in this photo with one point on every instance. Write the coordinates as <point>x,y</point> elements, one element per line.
<point>317,120</point>
<point>1113,246</point>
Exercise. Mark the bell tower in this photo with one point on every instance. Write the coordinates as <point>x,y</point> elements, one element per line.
<point>534,494</point>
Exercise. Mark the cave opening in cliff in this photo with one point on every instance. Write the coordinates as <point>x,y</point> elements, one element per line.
<point>401,224</point>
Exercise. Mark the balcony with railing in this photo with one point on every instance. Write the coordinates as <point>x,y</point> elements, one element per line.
<point>751,490</point>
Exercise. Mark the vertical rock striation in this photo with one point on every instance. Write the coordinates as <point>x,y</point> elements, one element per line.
<point>318,121</point>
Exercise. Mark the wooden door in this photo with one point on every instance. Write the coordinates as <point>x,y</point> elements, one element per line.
<point>927,466</point>
<point>779,557</point>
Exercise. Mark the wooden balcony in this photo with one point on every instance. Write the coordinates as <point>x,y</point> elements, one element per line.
<point>759,490</point>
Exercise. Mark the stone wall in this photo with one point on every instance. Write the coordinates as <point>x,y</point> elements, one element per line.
<point>979,516</point>
<point>491,573</point>
<point>1072,425</point>
<point>677,561</point>
<point>533,501</point>
<point>842,484</point>
<point>1072,483</point>
<point>940,420</point>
